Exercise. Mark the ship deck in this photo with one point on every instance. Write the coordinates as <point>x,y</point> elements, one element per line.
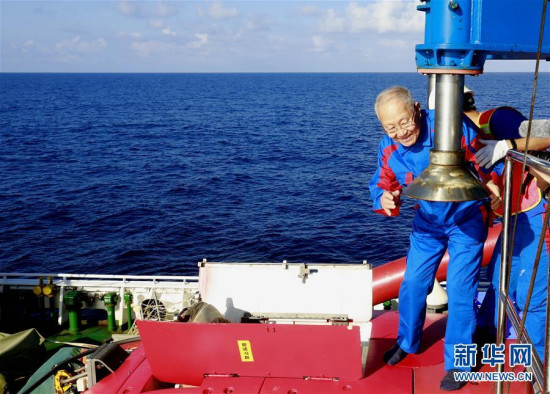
<point>418,373</point>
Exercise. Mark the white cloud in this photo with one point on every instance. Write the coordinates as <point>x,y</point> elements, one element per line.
<point>218,11</point>
<point>395,43</point>
<point>260,22</point>
<point>166,31</point>
<point>250,25</point>
<point>134,8</point>
<point>69,49</point>
<point>151,47</point>
<point>332,23</point>
<point>31,46</point>
<point>310,10</point>
<point>255,25</point>
<point>134,34</point>
<point>165,9</point>
<point>238,35</point>
<point>130,8</point>
<point>156,23</point>
<point>320,44</point>
<point>202,39</point>
<point>385,16</point>
<point>200,12</point>
<point>85,47</point>
<point>275,38</point>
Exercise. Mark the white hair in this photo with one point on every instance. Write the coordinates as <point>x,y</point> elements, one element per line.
<point>399,93</point>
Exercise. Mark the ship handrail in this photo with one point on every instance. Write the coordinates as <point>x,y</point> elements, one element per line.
<point>4,275</point>
<point>540,368</point>
<point>102,283</point>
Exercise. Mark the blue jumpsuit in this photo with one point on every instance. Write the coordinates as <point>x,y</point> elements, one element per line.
<point>459,227</point>
<point>526,241</point>
<point>504,123</point>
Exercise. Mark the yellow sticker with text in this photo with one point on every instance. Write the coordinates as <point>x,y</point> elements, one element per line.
<point>246,351</point>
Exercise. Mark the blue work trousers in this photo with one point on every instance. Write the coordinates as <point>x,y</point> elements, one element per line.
<point>526,241</point>
<point>429,240</point>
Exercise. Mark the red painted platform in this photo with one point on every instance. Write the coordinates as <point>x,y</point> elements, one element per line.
<point>252,350</point>
<point>427,367</point>
<point>289,359</point>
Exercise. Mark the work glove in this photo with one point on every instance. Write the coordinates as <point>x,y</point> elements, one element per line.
<point>492,152</point>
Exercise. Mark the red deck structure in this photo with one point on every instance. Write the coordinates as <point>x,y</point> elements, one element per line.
<point>275,358</point>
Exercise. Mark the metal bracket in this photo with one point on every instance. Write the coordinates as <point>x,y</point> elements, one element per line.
<point>202,263</point>
<point>304,272</point>
<point>322,378</point>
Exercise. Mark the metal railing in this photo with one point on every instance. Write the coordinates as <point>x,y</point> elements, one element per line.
<point>99,283</point>
<point>541,371</point>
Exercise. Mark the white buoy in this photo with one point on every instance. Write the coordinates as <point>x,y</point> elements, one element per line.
<point>437,300</point>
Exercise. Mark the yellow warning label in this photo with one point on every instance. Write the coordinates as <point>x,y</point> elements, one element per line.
<point>246,351</point>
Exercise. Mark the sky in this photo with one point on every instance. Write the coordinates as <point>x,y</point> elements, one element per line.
<point>215,36</point>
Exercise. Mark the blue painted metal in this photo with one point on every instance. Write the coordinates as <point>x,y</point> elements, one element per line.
<point>462,34</point>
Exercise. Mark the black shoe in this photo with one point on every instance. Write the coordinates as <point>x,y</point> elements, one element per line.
<point>484,335</point>
<point>394,355</point>
<point>448,383</point>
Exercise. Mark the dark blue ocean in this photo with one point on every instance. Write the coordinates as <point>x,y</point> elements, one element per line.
<point>150,173</point>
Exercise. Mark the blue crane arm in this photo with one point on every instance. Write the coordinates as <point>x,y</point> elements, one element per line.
<point>460,35</point>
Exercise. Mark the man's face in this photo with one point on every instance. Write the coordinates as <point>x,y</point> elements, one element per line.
<point>399,122</point>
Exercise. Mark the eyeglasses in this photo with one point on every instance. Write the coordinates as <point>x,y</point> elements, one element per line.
<point>404,125</point>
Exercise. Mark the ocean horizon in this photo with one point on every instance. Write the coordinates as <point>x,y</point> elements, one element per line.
<point>149,173</point>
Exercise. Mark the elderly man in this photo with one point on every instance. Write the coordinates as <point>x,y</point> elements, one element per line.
<point>460,227</point>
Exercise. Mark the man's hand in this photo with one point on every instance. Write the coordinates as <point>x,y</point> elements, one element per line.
<point>496,198</point>
<point>492,152</point>
<point>390,200</point>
